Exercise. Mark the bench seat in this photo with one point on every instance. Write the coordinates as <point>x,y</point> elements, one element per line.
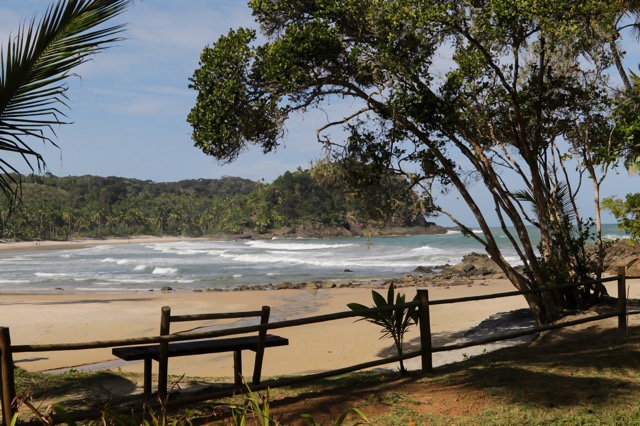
<point>197,347</point>
<point>161,352</point>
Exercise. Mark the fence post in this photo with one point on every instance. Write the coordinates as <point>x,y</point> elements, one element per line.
<point>425,330</point>
<point>163,359</point>
<point>6,372</point>
<point>622,299</point>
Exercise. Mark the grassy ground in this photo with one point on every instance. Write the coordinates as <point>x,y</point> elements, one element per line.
<point>592,378</point>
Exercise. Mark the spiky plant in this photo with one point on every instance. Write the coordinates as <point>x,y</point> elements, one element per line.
<point>393,323</point>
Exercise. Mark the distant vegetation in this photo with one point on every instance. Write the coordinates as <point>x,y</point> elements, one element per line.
<point>60,208</point>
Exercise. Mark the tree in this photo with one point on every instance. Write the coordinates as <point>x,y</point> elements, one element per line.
<point>507,108</point>
<point>33,70</point>
<point>627,212</point>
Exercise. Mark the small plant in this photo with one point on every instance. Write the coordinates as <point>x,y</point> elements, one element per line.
<point>45,418</point>
<point>394,323</point>
<point>257,407</point>
<point>254,409</point>
<point>253,405</point>
<point>341,419</point>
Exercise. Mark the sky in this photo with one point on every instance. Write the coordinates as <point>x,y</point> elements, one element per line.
<point>128,107</point>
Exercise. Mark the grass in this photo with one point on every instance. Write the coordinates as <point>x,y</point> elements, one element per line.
<point>588,381</point>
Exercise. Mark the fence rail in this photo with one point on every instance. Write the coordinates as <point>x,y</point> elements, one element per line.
<point>422,303</point>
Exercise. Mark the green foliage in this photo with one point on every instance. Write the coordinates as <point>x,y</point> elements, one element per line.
<point>340,421</point>
<point>48,417</point>
<point>393,323</point>
<point>627,116</point>
<point>89,206</point>
<point>627,212</point>
<point>34,68</point>
<point>253,409</point>
<point>525,97</point>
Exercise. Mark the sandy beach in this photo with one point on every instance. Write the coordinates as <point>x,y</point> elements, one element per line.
<point>81,243</point>
<point>60,318</point>
<point>73,318</point>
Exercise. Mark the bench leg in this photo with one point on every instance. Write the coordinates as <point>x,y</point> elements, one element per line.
<point>147,377</point>
<point>237,367</point>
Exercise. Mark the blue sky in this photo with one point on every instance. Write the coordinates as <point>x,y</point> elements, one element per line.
<point>129,106</point>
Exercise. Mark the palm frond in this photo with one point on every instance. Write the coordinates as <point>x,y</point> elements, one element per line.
<point>33,69</point>
<point>563,202</point>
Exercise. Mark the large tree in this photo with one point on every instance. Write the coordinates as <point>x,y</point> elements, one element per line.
<point>34,65</point>
<point>503,93</point>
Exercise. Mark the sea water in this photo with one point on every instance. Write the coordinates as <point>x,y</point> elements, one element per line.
<point>202,265</point>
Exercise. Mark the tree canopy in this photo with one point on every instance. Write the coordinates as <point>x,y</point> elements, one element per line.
<point>511,94</point>
<point>58,208</point>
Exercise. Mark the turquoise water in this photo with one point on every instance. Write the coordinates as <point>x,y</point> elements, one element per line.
<point>191,265</point>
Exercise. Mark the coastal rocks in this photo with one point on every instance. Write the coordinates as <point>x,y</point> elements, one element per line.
<point>473,266</point>
<point>623,253</point>
<point>424,270</point>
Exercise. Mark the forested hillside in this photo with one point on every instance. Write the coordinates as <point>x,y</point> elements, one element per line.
<point>300,202</point>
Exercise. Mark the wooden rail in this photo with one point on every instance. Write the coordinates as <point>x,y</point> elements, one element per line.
<point>422,302</point>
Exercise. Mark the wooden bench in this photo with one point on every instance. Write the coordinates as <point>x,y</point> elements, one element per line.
<point>163,351</point>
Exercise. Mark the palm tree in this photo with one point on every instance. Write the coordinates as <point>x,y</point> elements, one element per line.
<point>33,70</point>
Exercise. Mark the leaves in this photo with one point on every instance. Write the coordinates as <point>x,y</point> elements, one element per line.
<point>33,69</point>
<point>393,323</point>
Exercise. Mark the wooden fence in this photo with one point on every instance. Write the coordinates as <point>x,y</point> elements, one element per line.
<point>422,302</point>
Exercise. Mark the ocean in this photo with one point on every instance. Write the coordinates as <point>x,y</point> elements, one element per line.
<point>202,265</point>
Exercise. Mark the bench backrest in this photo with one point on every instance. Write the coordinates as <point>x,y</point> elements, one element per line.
<point>165,326</point>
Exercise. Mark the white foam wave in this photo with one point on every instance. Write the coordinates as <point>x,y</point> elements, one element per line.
<point>513,260</point>
<point>294,246</point>
<point>164,271</point>
<point>319,262</point>
<point>616,237</point>
<point>425,250</point>
<point>188,247</point>
<point>104,289</point>
<point>112,281</point>
<point>216,252</point>
<point>141,267</point>
<point>452,232</point>
<point>50,274</point>
<point>109,260</point>
<point>189,252</point>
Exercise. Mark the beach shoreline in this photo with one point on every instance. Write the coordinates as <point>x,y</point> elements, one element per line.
<point>74,318</point>
<point>89,242</point>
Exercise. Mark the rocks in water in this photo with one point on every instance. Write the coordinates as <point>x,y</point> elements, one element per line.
<point>166,288</point>
<point>475,265</point>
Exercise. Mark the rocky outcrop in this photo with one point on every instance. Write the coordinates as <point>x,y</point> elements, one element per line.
<point>623,253</point>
